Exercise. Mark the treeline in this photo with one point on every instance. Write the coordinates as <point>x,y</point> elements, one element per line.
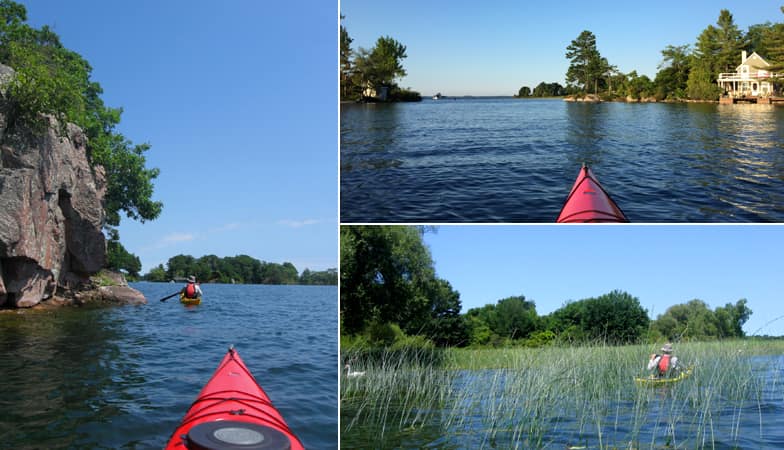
<point>614,318</point>
<point>241,269</point>
<point>685,72</point>
<point>545,90</point>
<point>370,75</point>
<point>391,296</point>
<point>50,79</point>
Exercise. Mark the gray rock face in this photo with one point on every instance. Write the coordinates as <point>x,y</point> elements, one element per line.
<point>51,210</point>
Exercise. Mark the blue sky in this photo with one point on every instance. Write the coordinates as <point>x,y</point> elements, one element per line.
<point>493,48</point>
<point>660,265</point>
<point>239,103</point>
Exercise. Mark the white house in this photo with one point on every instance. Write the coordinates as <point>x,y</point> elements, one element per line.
<point>750,79</point>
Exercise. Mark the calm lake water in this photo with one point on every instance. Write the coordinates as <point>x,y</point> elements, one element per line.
<point>482,409</point>
<point>507,160</point>
<point>124,377</point>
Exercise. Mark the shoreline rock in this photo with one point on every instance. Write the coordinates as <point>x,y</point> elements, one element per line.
<point>52,203</point>
<point>95,293</point>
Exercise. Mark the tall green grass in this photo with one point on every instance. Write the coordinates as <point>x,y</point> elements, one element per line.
<point>553,397</point>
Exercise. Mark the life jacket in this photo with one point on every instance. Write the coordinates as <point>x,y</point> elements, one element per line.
<point>190,290</point>
<point>664,364</point>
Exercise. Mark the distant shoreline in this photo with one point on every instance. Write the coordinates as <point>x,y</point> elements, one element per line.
<point>565,98</point>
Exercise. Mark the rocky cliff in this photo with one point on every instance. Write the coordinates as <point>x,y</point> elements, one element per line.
<point>51,211</point>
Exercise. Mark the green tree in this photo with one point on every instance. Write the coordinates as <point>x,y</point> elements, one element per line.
<point>380,66</point>
<point>730,319</point>
<point>695,320</point>
<point>180,266</point>
<point>672,78</point>
<point>51,79</point>
<point>157,273</point>
<point>638,86</point>
<point>524,91</point>
<point>347,88</point>
<point>548,90</point>
<point>239,269</point>
<point>388,56</point>
<point>118,258</point>
<point>514,318</point>
<point>730,40</point>
<point>703,73</point>
<point>325,277</point>
<point>586,64</point>
<point>616,317</point>
<point>479,333</point>
<point>754,38</point>
<point>383,270</point>
<point>675,320</point>
<point>773,42</point>
<point>717,50</point>
<point>440,320</point>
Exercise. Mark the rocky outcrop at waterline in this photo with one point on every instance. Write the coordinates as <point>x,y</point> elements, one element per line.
<point>51,210</point>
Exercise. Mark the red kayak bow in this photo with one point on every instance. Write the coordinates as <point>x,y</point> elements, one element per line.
<point>233,412</point>
<point>589,202</point>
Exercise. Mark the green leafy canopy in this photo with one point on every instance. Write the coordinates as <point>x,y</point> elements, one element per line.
<point>52,80</point>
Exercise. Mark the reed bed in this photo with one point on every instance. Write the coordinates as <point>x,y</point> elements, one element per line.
<point>560,397</point>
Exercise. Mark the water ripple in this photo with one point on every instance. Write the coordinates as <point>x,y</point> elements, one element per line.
<point>502,160</point>
<point>124,377</point>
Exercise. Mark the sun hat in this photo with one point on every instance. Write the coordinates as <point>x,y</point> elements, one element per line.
<point>667,348</point>
<point>191,279</point>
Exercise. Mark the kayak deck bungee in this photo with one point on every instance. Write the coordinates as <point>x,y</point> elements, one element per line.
<point>653,381</point>
<point>189,301</point>
<point>233,412</point>
<point>589,202</point>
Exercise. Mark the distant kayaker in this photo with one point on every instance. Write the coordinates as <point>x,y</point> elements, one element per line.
<point>665,364</point>
<point>191,290</point>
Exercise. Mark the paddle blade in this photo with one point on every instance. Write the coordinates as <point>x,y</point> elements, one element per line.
<point>170,296</point>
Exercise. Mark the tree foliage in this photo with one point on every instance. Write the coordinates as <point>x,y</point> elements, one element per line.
<point>717,50</point>
<point>510,319</point>
<point>772,41</point>
<point>638,86</point>
<point>616,317</point>
<point>240,269</point>
<point>376,68</point>
<point>390,293</point>
<point>672,78</point>
<point>548,90</point>
<point>346,64</point>
<point>695,320</point>
<point>387,277</point>
<point>586,63</point>
<point>119,259</point>
<point>53,80</point>
<point>686,71</point>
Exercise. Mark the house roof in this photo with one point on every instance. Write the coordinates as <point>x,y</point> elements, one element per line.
<point>754,60</point>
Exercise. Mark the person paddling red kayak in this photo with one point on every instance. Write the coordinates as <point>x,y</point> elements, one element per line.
<point>589,202</point>
<point>231,412</point>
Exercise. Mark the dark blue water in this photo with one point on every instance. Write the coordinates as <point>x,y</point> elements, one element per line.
<point>507,160</point>
<point>123,377</point>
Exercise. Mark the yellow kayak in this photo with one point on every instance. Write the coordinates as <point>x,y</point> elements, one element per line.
<point>653,381</point>
<point>189,301</point>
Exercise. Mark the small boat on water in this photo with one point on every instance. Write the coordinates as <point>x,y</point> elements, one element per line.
<point>589,202</point>
<point>655,381</point>
<point>438,96</point>
<point>233,412</point>
<point>189,301</point>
